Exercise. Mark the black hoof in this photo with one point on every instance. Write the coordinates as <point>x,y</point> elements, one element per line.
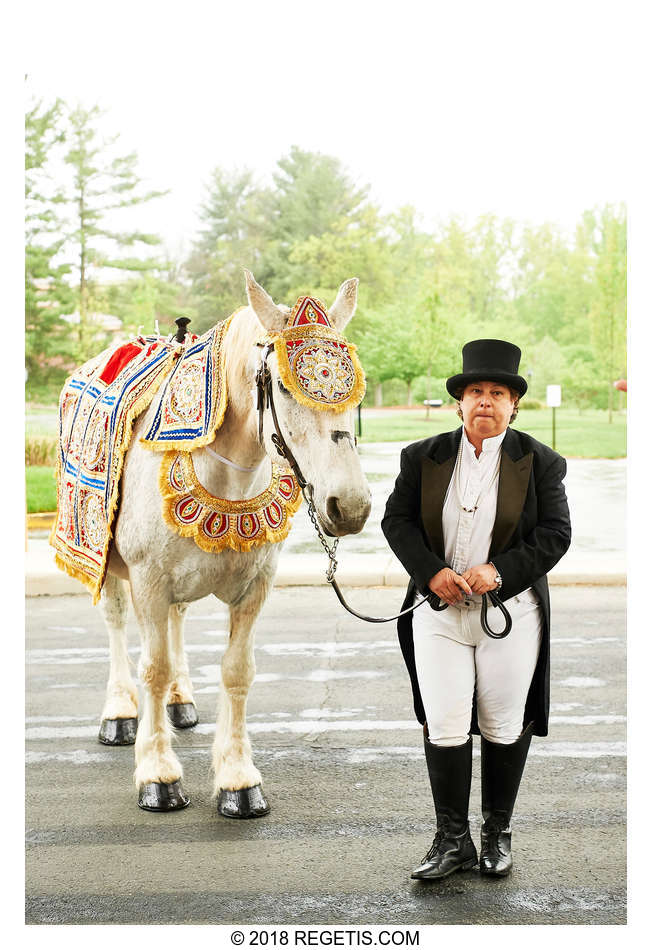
<point>242,803</point>
<point>118,731</point>
<point>183,715</point>
<point>157,796</point>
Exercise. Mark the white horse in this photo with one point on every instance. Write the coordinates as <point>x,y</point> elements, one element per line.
<point>165,571</point>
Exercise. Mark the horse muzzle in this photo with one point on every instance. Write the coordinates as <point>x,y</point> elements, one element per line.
<point>343,516</point>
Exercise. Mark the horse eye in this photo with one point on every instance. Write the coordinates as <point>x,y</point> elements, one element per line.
<point>285,391</point>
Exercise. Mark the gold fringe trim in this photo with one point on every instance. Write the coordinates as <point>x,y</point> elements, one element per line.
<point>95,583</point>
<point>289,379</point>
<point>229,507</point>
<point>78,574</point>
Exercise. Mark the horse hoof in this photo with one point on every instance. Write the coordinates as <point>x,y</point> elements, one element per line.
<point>183,715</point>
<point>242,802</point>
<point>118,731</point>
<point>159,796</point>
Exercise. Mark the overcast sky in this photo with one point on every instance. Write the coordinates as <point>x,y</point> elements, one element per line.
<point>513,107</point>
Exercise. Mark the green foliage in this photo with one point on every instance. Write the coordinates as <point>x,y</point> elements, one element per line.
<point>606,232</point>
<point>156,297</point>
<point>235,219</point>
<point>47,295</point>
<point>102,184</point>
<point>423,292</point>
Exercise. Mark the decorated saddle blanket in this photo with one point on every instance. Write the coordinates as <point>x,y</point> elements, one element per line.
<point>97,408</point>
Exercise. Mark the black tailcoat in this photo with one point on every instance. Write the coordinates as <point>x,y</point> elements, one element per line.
<point>531,533</point>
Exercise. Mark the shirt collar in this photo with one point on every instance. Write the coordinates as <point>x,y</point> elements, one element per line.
<point>489,446</point>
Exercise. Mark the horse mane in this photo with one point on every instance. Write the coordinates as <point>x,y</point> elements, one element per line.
<point>244,331</point>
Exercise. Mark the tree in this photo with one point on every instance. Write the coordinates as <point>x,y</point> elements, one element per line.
<point>236,217</point>
<point>438,338</point>
<point>313,196</point>
<point>582,384</point>
<point>607,231</point>
<point>102,185</point>
<point>156,297</point>
<point>47,296</point>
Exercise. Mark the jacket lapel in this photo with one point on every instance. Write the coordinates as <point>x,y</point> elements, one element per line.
<point>512,488</point>
<point>435,476</point>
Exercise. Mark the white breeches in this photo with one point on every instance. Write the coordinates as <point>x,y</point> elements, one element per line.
<point>454,658</point>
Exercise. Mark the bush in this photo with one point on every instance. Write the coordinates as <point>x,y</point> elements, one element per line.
<point>40,450</point>
<point>46,390</point>
<point>531,404</point>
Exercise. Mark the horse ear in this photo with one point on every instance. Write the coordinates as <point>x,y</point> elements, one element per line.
<point>345,302</point>
<point>263,306</point>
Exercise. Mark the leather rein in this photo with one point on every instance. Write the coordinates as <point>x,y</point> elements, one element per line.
<point>265,400</point>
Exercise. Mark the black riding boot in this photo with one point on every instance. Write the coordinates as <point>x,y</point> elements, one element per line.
<point>449,768</point>
<point>502,768</point>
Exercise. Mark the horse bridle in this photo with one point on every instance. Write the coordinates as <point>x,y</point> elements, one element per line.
<point>264,400</point>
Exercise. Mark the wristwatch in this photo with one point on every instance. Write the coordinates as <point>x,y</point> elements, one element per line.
<point>498,581</point>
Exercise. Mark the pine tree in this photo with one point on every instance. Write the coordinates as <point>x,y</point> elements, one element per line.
<point>47,295</point>
<point>313,196</point>
<point>101,186</point>
<point>235,216</point>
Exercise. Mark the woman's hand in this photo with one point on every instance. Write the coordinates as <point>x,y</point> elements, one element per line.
<point>449,586</point>
<point>481,578</point>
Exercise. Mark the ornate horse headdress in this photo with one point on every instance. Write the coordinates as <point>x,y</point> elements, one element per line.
<point>316,363</point>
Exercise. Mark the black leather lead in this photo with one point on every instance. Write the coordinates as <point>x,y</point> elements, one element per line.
<point>266,399</point>
<point>497,602</point>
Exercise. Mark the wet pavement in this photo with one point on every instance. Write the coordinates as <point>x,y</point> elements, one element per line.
<point>333,733</point>
<point>591,485</point>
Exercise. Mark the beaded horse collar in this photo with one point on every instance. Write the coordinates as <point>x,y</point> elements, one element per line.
<point>219,523</point>
<point>315,362</point>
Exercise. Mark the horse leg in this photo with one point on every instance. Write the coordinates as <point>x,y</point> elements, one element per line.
<point>238,783</point>
<point>158,771</point>
<point>181,705</point>
<point>120,713</point>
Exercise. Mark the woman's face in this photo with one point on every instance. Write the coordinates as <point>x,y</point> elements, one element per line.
<point>486,408</point>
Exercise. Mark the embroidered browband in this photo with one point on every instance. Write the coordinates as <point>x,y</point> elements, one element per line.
<point>316,363</point>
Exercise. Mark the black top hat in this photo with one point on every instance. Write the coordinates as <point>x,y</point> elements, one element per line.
<point>493,360</point>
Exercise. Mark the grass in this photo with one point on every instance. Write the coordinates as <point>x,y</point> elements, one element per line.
<point>41,488</point>
<point>578,435</point>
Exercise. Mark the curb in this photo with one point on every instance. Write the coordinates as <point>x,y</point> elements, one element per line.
<point>43,577</point>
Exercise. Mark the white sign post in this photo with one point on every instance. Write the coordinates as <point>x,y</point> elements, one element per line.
<point>553,399</point>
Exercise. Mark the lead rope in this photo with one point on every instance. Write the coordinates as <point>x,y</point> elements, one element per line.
<point>330,573</point>
<point>266,398</point>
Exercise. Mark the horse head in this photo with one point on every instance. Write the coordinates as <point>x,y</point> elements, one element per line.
<point>316,381</point>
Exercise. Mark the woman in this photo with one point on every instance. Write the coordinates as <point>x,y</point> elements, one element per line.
<point>478,509</point>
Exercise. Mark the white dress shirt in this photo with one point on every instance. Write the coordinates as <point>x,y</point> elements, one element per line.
<point>473,486</point>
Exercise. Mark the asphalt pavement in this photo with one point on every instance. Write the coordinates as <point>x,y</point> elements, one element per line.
<point>334,736</point>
